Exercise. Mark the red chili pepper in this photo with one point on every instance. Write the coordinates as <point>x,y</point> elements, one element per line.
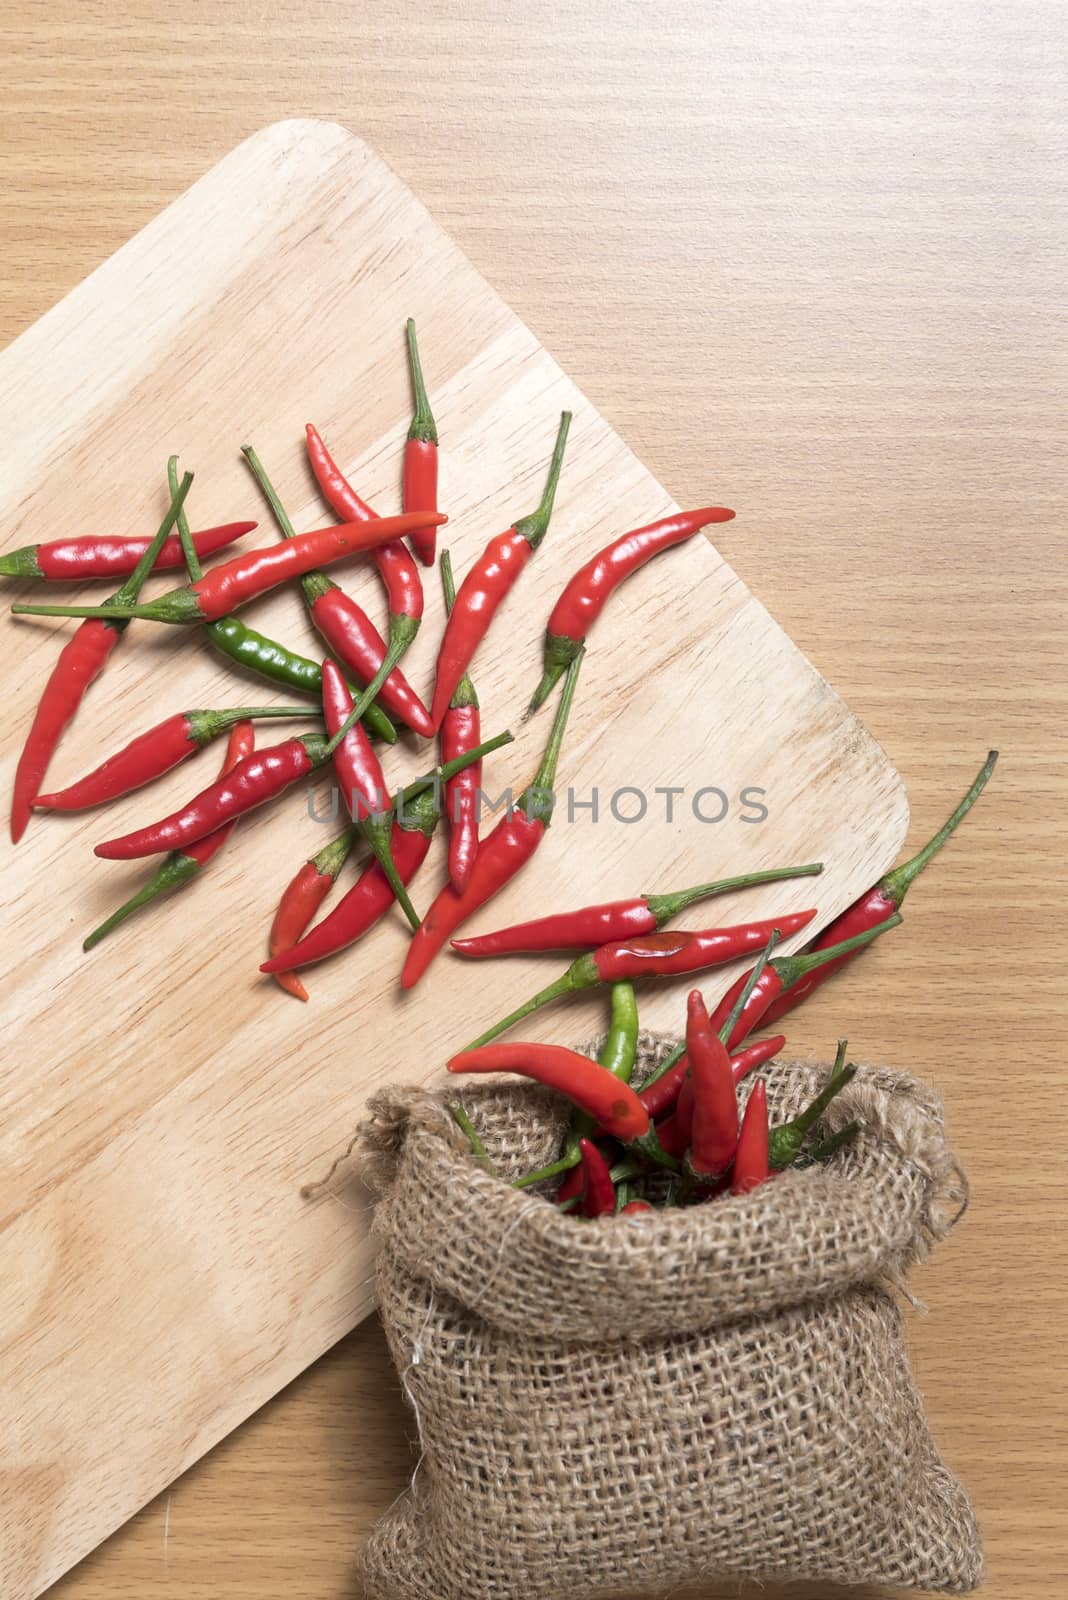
<point>598,1190</point>
<point>234,583</point>
<point>656,955</point>
<point>421,455</point>
<point>586,594</point>
<point>152,754</point>
<point>80,661</point>
<point>398,573</point>
<point>301,899</point>
<point>362,783</point>
<point>182,865</point>
<point>349,631</point>
<point>252,782</point>
<point>570,1186</point>
<point>751,1167</point>
<point>487,583</point>
<point>587,1085</point>
<point>662,1095</point>
<point>461,729</point>
<point>879,902</point>
<point>593,926</point>
<point>416,816</point>
<point>81,559</point>
<point>634,1208</point>
<point>780,975</point>
<point>714,1132</point>
<point>501,855</point>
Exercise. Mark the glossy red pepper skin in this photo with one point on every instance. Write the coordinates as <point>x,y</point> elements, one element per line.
<point>301,899</point>
<point>586,1084</point>
<point>399,573</point>
<point>420,488</point>
<point>150,755</point>
<point>635,1208</point>
<point>487,582</point>
<point>358,645</point>
<point>369,898</point>
<point>662,1095</point>
<point>181,866</point>
<point>80,559</point>
<point>234,583</point>
<point>253,781</point>
<point>751,1164</point>
<point>359,771</point>
<point>461,730</point>
<point>585,595</point>
<point>667,954</point>
<point>714,1129</point>
<point>81,660</point>
<point>570,1186</point>
<point>501,855</point>
<point>598,1190</point>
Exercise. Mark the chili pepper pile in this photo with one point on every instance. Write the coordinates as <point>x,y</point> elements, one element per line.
<point>684,1125</point>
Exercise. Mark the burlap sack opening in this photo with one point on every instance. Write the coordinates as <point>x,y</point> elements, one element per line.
<point>629,1404</point>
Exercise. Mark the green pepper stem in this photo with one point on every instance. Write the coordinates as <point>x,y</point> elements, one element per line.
<point>581,974</point>
<point>177,605</point>
<point>185,537</point>
<point>127,595</point>
<point>464,693</point>
<point>402,630</point>
<point>332,857</point>
<point>832,1144</point>
<point>896,884</point>
<point>270,493</point>
<point>423,426</point>
<point>750,984</point>
<point>792,969</point>
<point>478,1149</point>
<point>555,1169</point>
<point>545,777</point>
<point>174,870</point>
<point>449,769</point>
<point>534,527</point>
<point>665,906</point>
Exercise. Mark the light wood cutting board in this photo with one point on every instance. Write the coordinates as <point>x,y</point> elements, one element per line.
<point>160,1103</point>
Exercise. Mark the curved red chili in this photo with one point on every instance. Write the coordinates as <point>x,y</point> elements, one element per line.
<point>586,1084</point>
<point>879,902</point>
<point>399,573</point>
<point>416,816</point>
<point>301,899</point>
<point>487,583</point>
<point>461,730</point>
<point>349,631</point>
<point>252,782</point>
<point>592,926</point>
<point>180,866</point>
<point>751,1164</point>
<point>91,557</point>
<point>420,491</point>
<point>80,661</point>
<point>660,1096</point>
<point>585,595</point>
<point>714,1130</point>
<point>360,776</point>
<point>502,854</point>
<point>153,753</point>
<point>780,975</point>
<point>598,1190</point>
<point>234,583</point>
<point>656,955</point>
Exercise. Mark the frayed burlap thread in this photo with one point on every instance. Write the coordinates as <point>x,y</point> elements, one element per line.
<point>635,1403</point>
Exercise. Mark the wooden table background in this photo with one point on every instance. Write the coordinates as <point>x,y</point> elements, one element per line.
<point>809,260</point>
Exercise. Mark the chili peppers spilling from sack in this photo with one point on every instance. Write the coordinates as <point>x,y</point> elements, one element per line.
<point>685,1123</point>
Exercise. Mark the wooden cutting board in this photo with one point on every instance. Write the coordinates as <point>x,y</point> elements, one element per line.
<point>160,1102</point>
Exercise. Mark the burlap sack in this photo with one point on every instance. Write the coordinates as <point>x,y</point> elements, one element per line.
<point>633,1403</point>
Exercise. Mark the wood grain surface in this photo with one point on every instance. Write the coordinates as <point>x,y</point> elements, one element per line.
<point>821,255</point>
